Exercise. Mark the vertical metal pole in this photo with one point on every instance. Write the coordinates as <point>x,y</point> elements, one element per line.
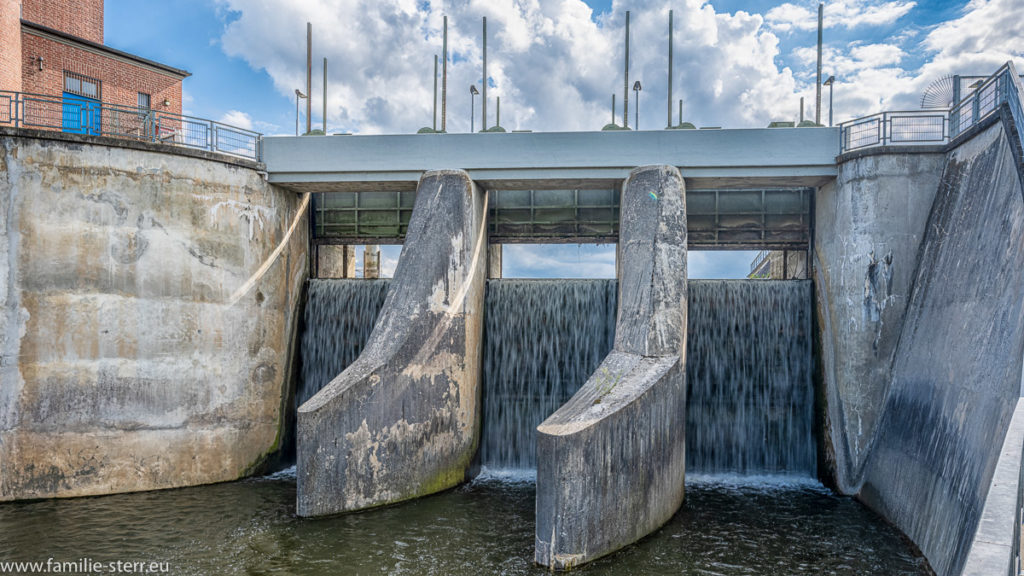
<point>444,78</point>
<point>325,96</point>
<point>497,113</point>
<point>613,108</point>
<point>817,84</point>
<point>830,105</point>
<point>954,115</point>
<point>296,114</point>
<point>669,125</point>
<point>435,92</point>
<point>625,81</point>
<point>801,108</point>
<point>680,111</point>
<point>309,75</point>
<point>637,111</point>
<point>483,106</point>
<point>472,112</point>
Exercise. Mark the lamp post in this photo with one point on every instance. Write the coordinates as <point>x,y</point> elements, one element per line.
<point>472,107</point>
<point>636,89</point>
<point>298,96</point>
<point>829,82</point>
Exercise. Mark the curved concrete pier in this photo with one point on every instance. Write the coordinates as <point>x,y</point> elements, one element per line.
<point>403,421</point>
<point>611,461</point>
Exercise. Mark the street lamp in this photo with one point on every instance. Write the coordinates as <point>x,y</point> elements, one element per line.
<point>298,96</point>
<point>829,82</point>
<point>472,107</point>
<point>636,96</point>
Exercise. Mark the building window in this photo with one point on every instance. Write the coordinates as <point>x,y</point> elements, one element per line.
<point>144,101</point>
<point>81,85</point>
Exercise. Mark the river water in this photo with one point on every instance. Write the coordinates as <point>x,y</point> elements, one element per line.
<point>752,504</point>
<point>729,526</point>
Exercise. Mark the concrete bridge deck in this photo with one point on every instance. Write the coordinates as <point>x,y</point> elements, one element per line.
<point>748,158</point>
<point>746,188</point>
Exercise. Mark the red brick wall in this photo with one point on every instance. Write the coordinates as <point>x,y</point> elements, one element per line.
<point>10,45</point>
<point>82,18</point>
<point>120,81</point>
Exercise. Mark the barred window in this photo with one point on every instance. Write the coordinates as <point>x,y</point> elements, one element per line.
<point>144,101</point>
<point>81,85</point>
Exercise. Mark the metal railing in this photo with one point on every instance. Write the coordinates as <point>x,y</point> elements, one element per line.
<point>82,116</point>
<point>937,126</point>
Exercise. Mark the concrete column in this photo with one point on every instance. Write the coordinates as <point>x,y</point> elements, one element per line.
<point>494,261</point>
<point>611,461</point>
<point>349,266</point>
<point>868,232</point>
<point>402,421</point>
<point>371,261</point>
<point>336,261</point>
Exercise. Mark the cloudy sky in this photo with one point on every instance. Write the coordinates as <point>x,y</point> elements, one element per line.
<point>556,63</point>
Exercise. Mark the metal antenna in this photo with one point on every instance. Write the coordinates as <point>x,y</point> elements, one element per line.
<point>435,92</point>
<point>613,108</point>
<point>669,125</point>
<point>625,82</point>
<point>444,78</point>
<point>325,96</point>
<point>483,109</point>
<point>309,76</point>
<point>817,107</point>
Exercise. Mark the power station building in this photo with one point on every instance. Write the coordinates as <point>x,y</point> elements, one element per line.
<point>54,48</point>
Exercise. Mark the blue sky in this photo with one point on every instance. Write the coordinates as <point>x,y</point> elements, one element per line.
<point>555,64</point>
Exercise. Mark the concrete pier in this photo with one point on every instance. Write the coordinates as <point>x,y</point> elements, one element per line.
<point>403,421</point>
<point>611,461</point>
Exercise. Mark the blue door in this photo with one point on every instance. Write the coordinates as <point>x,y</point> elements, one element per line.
<point>81,115</point>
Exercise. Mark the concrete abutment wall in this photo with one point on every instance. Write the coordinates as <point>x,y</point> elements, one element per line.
<point>148,315</point>
<point>920,282</point>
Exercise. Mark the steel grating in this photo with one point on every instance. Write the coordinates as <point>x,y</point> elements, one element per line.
<point>761,218</point>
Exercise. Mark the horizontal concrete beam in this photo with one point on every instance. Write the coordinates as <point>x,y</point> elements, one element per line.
<point>708,158</point>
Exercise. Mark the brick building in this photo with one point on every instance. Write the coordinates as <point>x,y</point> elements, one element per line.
<point>55,48</point>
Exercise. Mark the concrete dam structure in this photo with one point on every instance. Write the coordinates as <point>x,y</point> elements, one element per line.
<point>163,325</point>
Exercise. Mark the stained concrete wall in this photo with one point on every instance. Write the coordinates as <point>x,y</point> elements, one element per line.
<point>403,420</point>
<point>611,461</point>
<point>148,309</point>
<point>868,229</point>
<point>956,375</point>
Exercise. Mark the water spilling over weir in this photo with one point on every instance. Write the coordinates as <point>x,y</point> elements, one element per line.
<point>750,398</point>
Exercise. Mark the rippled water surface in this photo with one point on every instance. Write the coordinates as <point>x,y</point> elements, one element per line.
<point>484,527</point>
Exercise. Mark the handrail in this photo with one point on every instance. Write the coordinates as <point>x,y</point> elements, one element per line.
<point>20,109</point>
<point>941,126</point>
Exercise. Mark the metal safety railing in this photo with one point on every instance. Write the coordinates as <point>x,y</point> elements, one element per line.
<point>937,126</point>
<point>81,116</point>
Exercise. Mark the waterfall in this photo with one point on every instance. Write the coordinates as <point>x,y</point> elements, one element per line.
<point>750,397</point>
<point>339,318</point>
<point>542,339</point>
<point>750,400</point>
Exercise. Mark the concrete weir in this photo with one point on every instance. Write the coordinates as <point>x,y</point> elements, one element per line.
<point>403,420</point>
<point>611,461</point>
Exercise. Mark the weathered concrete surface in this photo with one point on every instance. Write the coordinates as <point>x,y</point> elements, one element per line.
<point>957,372</point>
<point>148,308</point>
<point>403,420</point>
<point>611,461</point>
<point>992,550</point>
<point>868,229</point>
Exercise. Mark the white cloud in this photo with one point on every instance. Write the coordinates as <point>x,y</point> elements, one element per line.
<point>237,119</point>
<point>558,261</point>
<point>842,13</point>
<point>553,66</point>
